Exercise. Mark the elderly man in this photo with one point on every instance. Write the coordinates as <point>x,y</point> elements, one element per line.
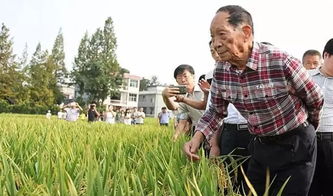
<point>273,91</point>
<point>323,177</point>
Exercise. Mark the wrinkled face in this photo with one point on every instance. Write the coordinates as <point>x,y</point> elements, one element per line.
<point>214,53</point>
<point>228,41</point>
<point>311,61</point>
<point>185,78</point>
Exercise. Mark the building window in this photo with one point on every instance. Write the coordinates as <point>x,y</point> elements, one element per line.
<point>132,97</point>
<point>151,110</point>
<point>116,96</point>
<point>134,83</point>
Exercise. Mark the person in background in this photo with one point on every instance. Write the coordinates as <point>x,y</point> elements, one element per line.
<point>127,117</point>
<point>164,117</point>
<point>48,114</point>
<point>323,176</point>
<point>110,115</point>
<point>184,75</point>
<point>92,113</point>
<point>311,59</point>
<point>72,111</point>
<point>139,117</point>
<point>134,111</point>
<point>258,78</point>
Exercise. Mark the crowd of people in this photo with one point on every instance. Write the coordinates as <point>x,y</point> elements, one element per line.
<point>73,111</point>
<point>262,103</point>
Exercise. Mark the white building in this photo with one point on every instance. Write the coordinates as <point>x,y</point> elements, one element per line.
<point>129,93</point>
<point>151,100</point>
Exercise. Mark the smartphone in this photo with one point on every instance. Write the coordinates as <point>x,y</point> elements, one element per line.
<point>182,89</point>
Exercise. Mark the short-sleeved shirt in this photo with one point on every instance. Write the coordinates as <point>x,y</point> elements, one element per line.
<point>326,84</point>
<point>164,117</point>
<point>72,114</point>
<point>139,117</point>
<point>194,114</point>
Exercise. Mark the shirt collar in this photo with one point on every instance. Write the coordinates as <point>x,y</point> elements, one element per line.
<point>253,60</point>
<point>314,72</point>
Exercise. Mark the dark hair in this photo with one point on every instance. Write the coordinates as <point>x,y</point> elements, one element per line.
<point>267,43</point>
<point>163,108</point>
<point>238,15</point>
<point>328,47</point>
<point>311,53</point>
<point>202,77</point>
<point>181,68</point>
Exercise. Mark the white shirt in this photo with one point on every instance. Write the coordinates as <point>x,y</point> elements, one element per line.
<point>326,84</point>
<point>139,116</point>
<point>72,114</point>
<point>234,117</point>
<point>109,117</point>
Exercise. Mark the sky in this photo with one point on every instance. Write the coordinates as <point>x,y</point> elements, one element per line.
<point>155,36</point>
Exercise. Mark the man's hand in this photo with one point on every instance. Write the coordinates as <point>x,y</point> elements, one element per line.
<point>180,98</point>
<point>204,86</point>
<point>191,148</point>
<point>170,92</point>
<point>214,151</point>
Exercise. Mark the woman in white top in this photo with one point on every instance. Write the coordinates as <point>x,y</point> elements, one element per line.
<point>110,115</point>
<point>128,117</point>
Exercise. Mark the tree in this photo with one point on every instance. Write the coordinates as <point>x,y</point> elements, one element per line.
<point>41,78</point>
<point>144,84</point>
<point>10,75</point>
<point>57,58</point>
<point>154,81</point>
<point>96,72</point>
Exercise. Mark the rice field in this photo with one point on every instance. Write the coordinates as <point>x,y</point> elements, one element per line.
<point>54,157</point>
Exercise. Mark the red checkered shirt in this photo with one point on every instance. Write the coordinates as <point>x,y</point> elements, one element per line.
<point>274,93</point>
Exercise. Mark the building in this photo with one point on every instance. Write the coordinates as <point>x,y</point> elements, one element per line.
<point>151,100</point>
<point>128,94</point>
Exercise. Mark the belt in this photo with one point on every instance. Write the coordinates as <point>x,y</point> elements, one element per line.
<point>325,136</point>
<point>275,138</point>
<point>236,127</point>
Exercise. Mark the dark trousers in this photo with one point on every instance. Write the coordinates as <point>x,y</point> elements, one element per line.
<point>235,141</point>
<point>292,154</point>
<point>322,183</point>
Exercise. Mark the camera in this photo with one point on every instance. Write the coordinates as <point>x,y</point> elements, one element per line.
<point>182,89</point>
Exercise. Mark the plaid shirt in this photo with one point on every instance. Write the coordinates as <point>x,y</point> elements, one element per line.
<point>274,93</point>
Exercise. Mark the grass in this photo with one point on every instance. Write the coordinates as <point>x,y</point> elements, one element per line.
<point>55,157</point>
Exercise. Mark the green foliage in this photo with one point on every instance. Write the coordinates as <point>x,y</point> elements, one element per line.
<point>144,83</point>
<point>41,78</point>
<point>26,108</point>
<point>11,78</point>
<point>96,71</point>
<point>55,157</point>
